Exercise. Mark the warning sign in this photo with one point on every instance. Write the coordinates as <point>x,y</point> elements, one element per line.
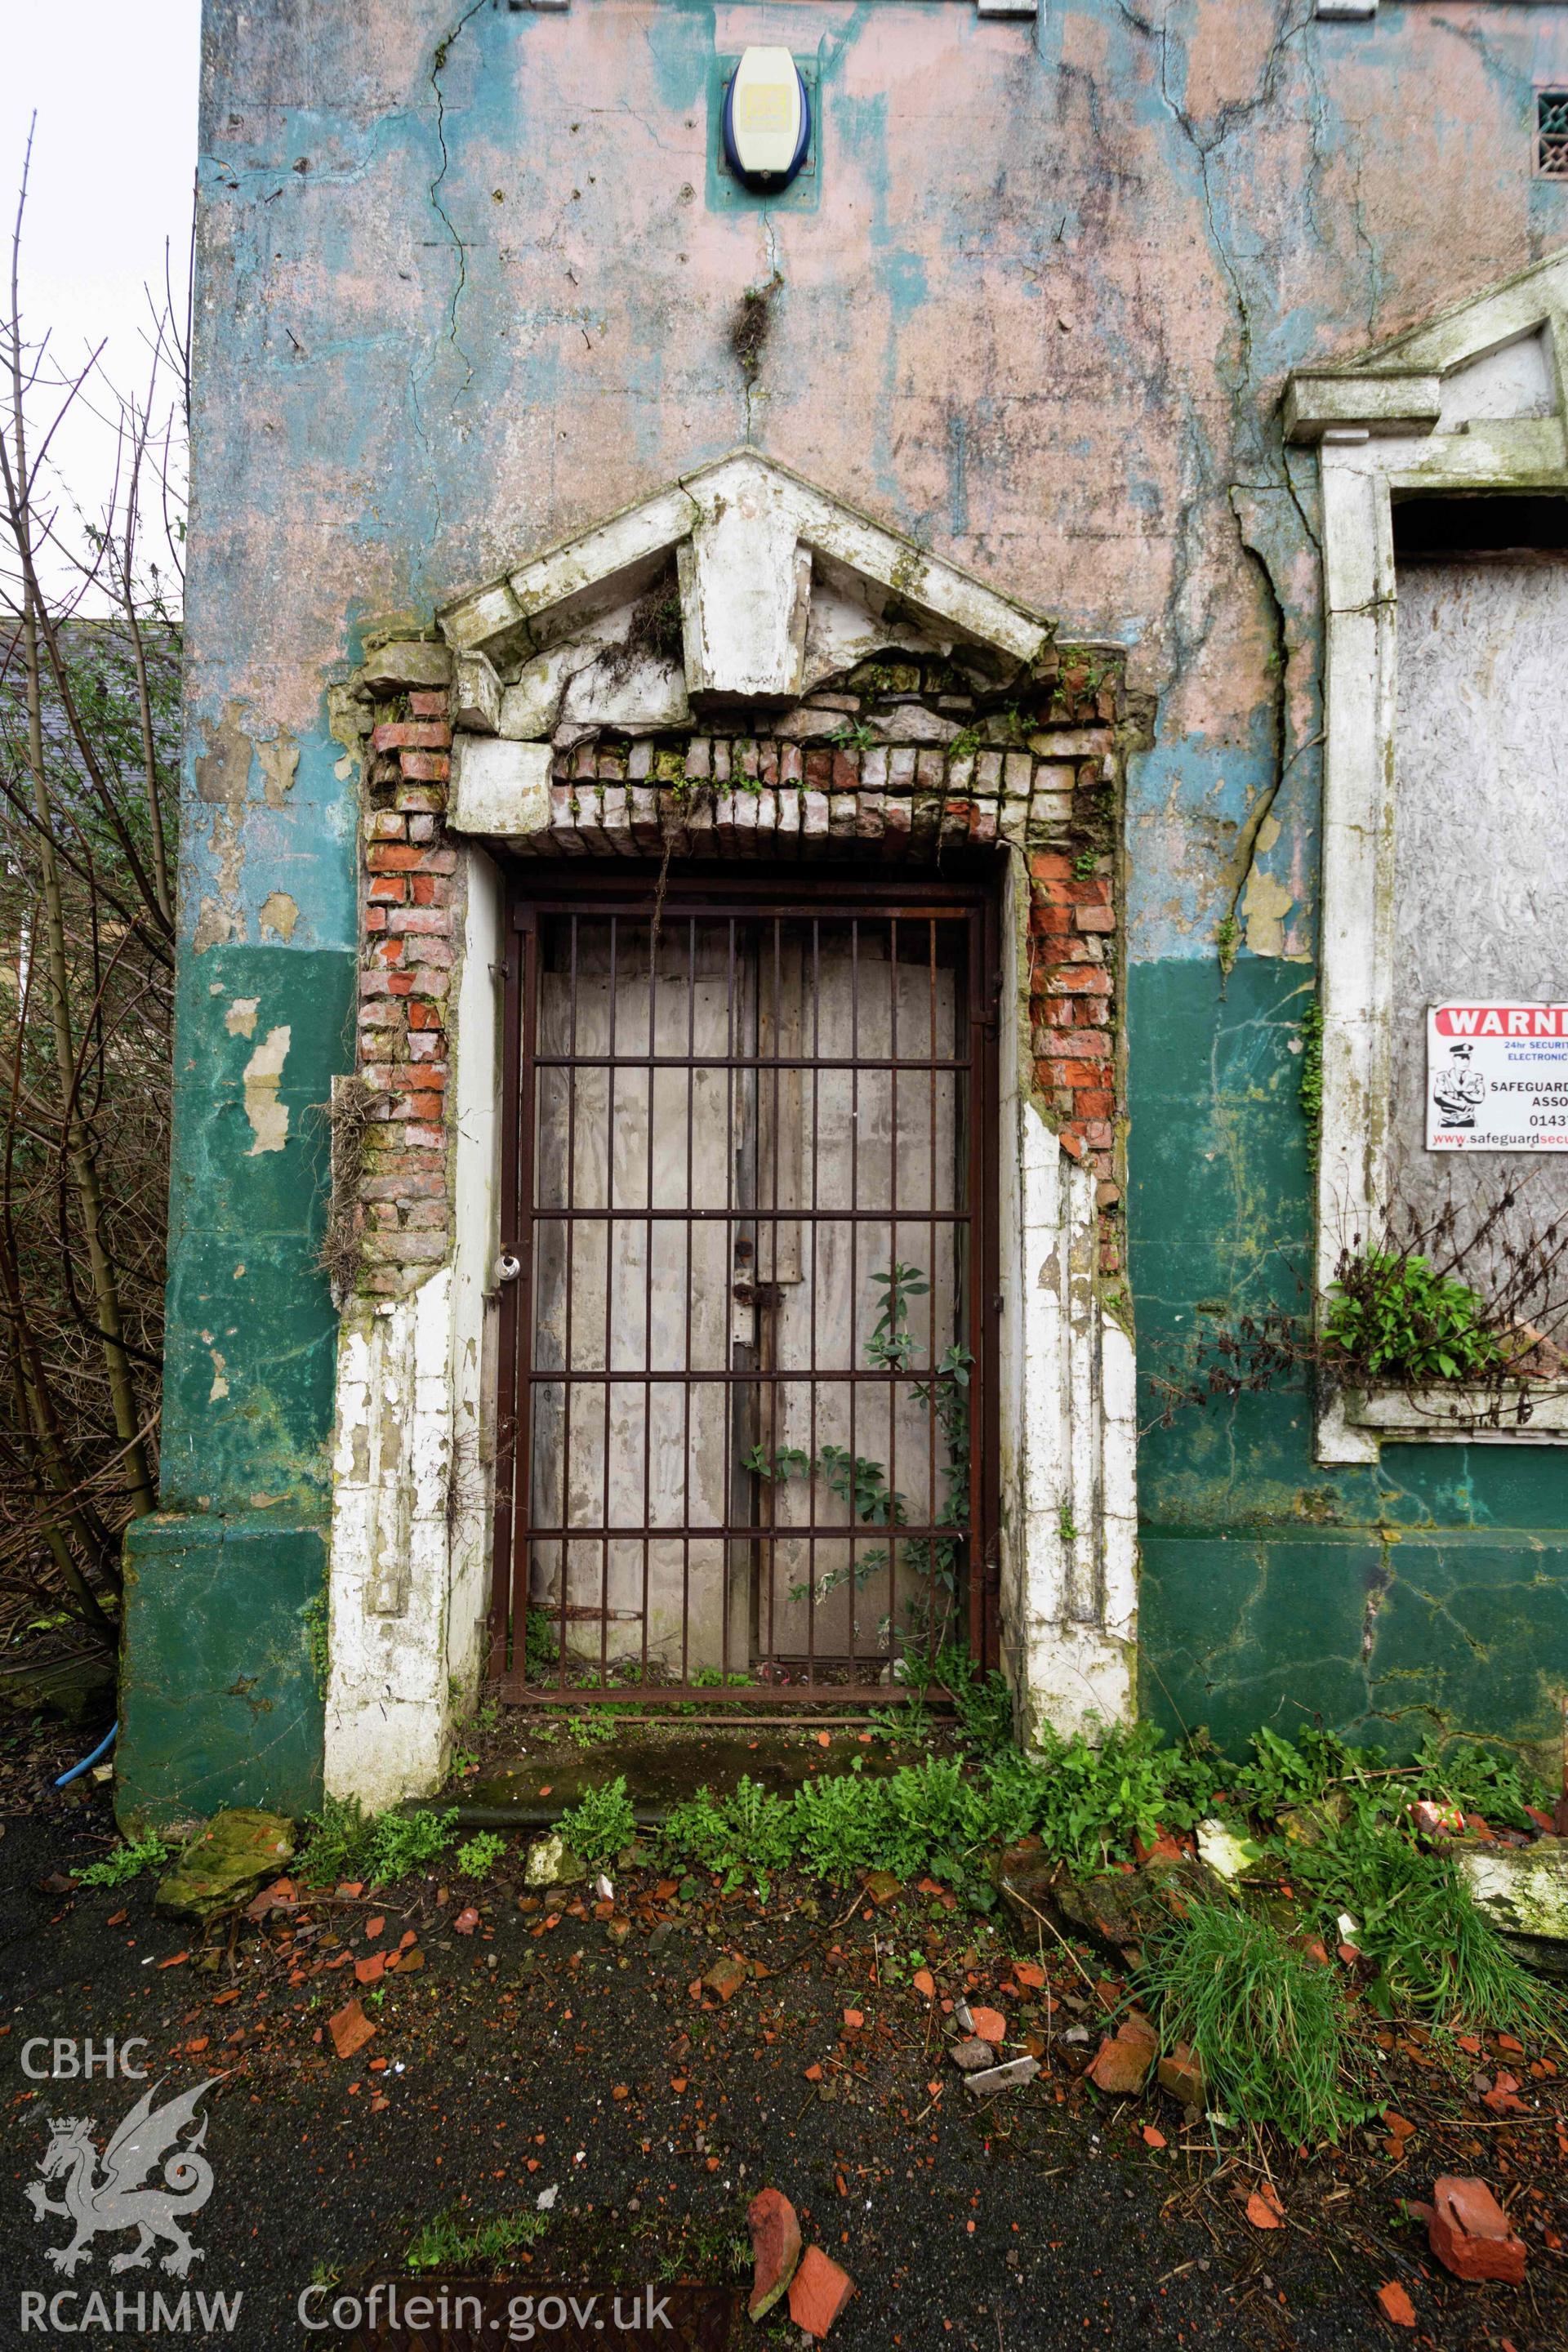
<point>1496,1078</point>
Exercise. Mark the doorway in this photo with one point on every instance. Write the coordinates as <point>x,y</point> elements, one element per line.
<point>745,1429</point>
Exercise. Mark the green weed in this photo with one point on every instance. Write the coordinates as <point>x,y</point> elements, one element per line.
<point>347,1843</point>
<point>317,1617</point>
<point>478,1855</point>
<point>1267,2022</point>
<point>1392,1317</point>
<point>601,1824</point>
<point>541,1650</point>
<point>746,1837</point>
<point>1310,1086</point>
<point>126,1861</point>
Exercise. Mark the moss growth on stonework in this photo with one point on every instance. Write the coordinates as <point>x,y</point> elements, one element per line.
<point>1311,1085</point>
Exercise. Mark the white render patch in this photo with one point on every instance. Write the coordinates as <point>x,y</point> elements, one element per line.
<point>1068,1435</point>
<point>499,788</point>
<point>411,1469</point>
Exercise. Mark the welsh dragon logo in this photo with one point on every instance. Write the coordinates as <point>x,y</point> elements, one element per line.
<point>117,2198</point>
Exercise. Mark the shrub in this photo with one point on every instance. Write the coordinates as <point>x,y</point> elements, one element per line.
<point>1267,2022</point>
<point>601,1823</point>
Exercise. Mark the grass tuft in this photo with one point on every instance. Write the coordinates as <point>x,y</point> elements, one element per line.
<point>1267,2022</point>
<point>444,2245</point>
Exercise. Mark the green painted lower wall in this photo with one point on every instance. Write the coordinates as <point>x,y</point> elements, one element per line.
<point>219,1703</point>
<point>1428,1593</point>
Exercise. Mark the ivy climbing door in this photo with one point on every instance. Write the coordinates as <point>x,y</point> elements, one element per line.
<point>745,1434</point>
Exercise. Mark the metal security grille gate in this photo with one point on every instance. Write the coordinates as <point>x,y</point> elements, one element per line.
<point>745,1434</point>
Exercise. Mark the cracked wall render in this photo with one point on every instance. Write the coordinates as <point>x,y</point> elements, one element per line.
<point>464,283</point>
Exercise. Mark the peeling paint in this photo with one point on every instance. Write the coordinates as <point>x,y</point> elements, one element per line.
<point>268,1114</point>
<point>278,915</point>
<point>280,762</point>
<point>240,1018</point>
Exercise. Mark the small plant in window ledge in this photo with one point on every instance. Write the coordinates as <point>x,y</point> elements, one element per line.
<point>1392,1318</point>
<point>1468,1323</point>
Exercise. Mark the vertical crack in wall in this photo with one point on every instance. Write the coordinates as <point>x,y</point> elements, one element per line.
<point>1258,452</point>
<point>438,61</point>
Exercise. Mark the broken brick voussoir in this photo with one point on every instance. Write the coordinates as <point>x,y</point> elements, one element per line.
<point>776,2249</point>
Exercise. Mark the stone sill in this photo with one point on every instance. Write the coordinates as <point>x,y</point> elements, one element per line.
<point>1462,1415</point>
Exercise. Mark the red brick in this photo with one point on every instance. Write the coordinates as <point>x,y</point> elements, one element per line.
<point>1082,1045</point>
<point>389,889</point>
<point>1096,919</point>
<point>1092,891</point>
<point>1082,979</point>
<point>423,800</point>
<point>818,2291</point>
<point>427,702</point>
<point>394,858</point>
<point>412,735</point>
<point>388,951</point>
<point>1050,866</point>
<point>1096,1102</point>
<point>1469,2232</point>
<point>1048,920</point>
<point>433,922</point>
<point>426,1216</point>
<point>424,1016</point>
<point>375,918</point>
<point>426,767</point>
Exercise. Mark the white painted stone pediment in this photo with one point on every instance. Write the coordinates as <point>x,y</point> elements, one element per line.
<point>777,586</point>
<point>1499,359</point>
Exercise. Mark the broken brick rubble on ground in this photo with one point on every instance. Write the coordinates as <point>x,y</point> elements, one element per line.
<point>776,2249</point>
<point>1469,2232</point>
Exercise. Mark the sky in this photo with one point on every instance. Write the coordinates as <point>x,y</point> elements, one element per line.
<point>114,86</point>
